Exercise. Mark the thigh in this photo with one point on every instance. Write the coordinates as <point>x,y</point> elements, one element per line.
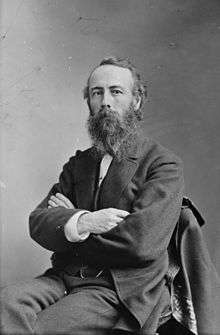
<point>38,293</point>
<point>88,310</point>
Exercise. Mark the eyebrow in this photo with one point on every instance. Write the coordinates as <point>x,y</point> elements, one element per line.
<point>111,87</point>
<point>96,88</point>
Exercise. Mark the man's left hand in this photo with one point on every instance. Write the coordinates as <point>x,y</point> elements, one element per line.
<point>59,200</point>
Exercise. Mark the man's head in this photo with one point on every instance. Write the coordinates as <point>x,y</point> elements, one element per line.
<point>115,95</point>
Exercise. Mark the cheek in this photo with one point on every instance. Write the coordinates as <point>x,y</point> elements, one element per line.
<point>122,106</point>
<point>94,105</point>
<point>124,102</point>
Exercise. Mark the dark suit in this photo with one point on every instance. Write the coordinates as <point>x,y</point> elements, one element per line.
<point>148,183</point>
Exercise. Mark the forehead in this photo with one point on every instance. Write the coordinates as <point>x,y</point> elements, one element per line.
<point>111,75</point>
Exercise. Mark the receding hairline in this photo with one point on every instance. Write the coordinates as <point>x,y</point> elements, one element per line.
<point>139,87</point>
<point>110,65</point>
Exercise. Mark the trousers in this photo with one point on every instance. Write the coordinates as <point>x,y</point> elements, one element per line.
<point>43,306</point>
<point>52,304</point>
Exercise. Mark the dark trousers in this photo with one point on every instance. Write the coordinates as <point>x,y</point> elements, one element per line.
<point>90,307</point>
<point>42,306</point>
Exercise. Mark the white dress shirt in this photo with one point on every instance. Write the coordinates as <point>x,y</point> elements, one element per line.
<point>70,228</point>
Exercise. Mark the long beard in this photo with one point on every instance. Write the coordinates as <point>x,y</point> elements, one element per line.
<point>111,133</point>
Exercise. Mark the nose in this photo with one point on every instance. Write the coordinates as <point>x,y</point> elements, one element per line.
<point>106,99</point>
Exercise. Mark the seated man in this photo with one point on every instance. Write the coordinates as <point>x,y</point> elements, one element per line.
<point>108,220</point>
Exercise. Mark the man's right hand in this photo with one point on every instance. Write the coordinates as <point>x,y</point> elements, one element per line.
<point>100,221</point>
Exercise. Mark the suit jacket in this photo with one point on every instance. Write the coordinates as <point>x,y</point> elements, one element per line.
<point>148,183</point>
<point>194,282</point>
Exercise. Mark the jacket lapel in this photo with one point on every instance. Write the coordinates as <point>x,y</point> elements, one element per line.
<point>119,175</point>
<point>117,178</point>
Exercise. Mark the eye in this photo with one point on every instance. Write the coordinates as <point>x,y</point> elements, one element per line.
<point>116,91</point>
<point>96,93</point>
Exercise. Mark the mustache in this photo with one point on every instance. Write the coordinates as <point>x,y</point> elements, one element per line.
<point>103,110</point>
<point>107,111</point>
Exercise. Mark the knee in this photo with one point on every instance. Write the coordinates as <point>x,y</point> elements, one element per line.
<point>11,294</point>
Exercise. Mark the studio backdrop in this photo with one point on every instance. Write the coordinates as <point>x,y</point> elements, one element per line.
<point>48,48</point>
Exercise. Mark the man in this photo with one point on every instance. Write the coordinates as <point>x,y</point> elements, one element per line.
<point>108,221</point>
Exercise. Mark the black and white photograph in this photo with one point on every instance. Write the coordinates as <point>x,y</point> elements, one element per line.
<point>110,167</point>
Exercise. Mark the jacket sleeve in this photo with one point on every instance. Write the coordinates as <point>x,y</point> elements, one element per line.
<point>47,224</point>
<point>144,235</point>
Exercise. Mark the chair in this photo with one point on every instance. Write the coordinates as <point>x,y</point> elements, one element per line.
<point>192,279</point>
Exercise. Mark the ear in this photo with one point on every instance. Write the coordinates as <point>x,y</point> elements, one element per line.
<point>88,102</point>
<point>89,106</point>
<point>137,102</point>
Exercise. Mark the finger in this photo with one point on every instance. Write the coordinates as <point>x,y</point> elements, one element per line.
<point>58,201</point>
<point>65,200</point>
<point>115,224</point>
<point>121,213</point>
<point>115,221</point>
<point>52,203</point>
<point>49,206</point>
<point>119,219</point>
<point>111,226</point>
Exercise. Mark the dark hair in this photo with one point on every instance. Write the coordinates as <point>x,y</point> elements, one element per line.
<point>139,88</point>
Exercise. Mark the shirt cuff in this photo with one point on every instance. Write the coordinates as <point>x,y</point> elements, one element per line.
<point>70,229</point>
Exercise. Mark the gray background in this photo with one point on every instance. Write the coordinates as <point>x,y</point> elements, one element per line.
<point>48,49</point>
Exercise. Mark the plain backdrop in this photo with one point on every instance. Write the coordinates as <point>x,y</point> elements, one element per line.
<point>48,48</point>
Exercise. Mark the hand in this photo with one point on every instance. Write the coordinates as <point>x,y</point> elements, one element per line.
<point>60,200</point>
<point>100,221</point>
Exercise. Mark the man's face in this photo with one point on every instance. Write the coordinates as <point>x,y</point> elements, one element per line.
<point>111,87</point>
<point>112,123</point>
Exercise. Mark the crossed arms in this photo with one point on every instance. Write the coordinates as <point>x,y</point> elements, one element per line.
<point>117,238</point>
<point>97,222</point>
